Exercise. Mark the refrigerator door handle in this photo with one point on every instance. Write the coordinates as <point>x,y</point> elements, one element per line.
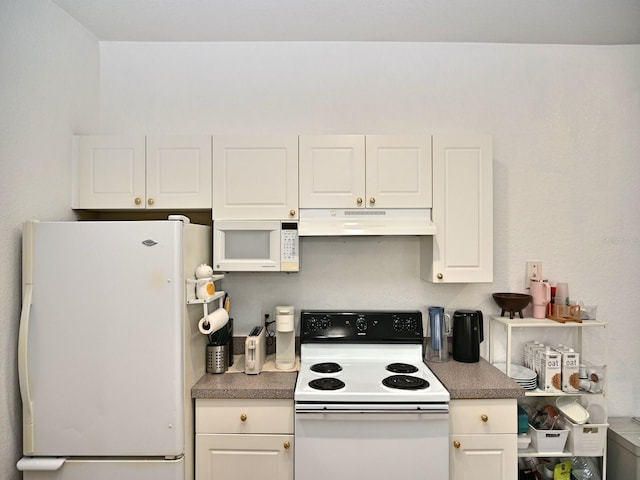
<point>23,371</point>
<point>49,464</point>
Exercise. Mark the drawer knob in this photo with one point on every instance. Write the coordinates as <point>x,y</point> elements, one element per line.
<point>292,212</point>
<point>484,418</point>
<point>372,201</point>
<point>150,201</point>
<point>456,443</point>
<point>137,201</point>
<point>440,276</point>
<point>359,200</point>
<point>243,417</point>
<point>286,445</point>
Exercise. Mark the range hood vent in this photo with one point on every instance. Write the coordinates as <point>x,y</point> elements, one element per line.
<point>354,222</point>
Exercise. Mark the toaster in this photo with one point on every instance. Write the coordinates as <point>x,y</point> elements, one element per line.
<point>255,348</point>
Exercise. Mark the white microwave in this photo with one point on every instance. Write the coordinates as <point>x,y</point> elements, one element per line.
<point>255,246</point>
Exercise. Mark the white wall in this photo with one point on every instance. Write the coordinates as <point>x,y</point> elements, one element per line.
<point>564,121</point>
<point>49,74</point>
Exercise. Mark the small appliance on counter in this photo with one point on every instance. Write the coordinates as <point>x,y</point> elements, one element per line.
<point>468,334</point>
<point>255,350</point>
<point>285,338</point>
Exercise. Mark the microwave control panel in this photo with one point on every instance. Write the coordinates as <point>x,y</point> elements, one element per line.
<point>289,259</point>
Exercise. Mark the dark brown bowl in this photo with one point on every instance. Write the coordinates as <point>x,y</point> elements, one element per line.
<point>512,302</point>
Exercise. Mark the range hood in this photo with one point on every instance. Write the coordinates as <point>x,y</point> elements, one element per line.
<point>354,222</point>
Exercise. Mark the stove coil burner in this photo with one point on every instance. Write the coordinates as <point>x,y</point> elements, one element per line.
<point>326,384</point>
<point>401,368</point>
<point>405,382</point>
<point>326,367</point>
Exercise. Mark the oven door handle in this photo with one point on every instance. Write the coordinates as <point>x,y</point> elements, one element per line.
<point>319,414</point>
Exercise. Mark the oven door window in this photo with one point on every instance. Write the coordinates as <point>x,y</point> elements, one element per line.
<point>371,446</point>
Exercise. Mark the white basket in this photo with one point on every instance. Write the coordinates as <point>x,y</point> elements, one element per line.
<point>548,441</point>
<point>587,439</point>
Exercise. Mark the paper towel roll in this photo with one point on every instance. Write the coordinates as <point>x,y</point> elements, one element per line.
<point>214,321</point>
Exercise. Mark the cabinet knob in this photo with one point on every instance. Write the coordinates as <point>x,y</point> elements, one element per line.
<point>243,417</point>
<point>137,201</point>
<point>150,201</point>
<point>292,213</point>
<point>372,201</point>
<point>456,444</point>
<point>359,200</point>
<point>440,276</point>
<point>484,418</point>
<point>286,445</point>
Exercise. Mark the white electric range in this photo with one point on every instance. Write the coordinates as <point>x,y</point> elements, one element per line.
<point>366,405</point>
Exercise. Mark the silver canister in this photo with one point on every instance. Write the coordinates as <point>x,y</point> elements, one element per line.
<point>217,359</point>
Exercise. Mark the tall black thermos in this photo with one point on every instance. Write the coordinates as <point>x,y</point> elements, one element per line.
<point>467,335</point>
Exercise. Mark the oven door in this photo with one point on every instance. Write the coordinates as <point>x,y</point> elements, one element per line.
<point>373,444</point>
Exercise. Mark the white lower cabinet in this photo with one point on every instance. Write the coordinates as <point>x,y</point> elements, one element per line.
<point>242,439</point>
<point>483,435</point>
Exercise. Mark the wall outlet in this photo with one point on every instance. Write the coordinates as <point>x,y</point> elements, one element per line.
<point>533,270</point>
<point>266,315</point>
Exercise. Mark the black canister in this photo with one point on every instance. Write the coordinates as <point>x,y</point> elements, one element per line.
<point>468,334</point>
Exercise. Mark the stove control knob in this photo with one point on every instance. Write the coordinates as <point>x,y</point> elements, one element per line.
<point>400,324</point>
<point>361,325</point>
<point>314,324</point>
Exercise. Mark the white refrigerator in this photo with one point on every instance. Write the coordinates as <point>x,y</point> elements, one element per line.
<point>108,349</point>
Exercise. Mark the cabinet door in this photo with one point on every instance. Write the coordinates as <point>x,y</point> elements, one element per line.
<point>398,171</point>
<point>179,172</point>
<point>218,415</point>
<point>242,457</point>
<point>484,416</point>
<point>332,171</point>
<point>462,210</point>
<point>483,457</point>
<point>108,172</point>
<point>255,177</point>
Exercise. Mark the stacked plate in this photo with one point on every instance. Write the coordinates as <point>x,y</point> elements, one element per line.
<point>523,376</point>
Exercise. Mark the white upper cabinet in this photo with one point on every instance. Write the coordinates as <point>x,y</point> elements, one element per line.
<point>134,172</point>
<point>462,249</point>
<point>398,171</point>
<point>358,171</point>
<point>255,177</point>
<point>109,172</point>
<point>332,171</point>
<point>179,171</point>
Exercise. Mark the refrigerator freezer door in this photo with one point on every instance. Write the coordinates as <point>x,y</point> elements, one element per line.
<point>84,469</point>
<point>104,347</point>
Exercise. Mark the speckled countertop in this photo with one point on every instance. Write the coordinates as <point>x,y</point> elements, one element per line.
<point>463,380</point>
<point>239,385</point>
<point>475,380</point>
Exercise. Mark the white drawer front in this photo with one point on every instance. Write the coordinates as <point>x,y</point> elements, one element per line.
<point>483,416</point>
<point>244,416</point>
